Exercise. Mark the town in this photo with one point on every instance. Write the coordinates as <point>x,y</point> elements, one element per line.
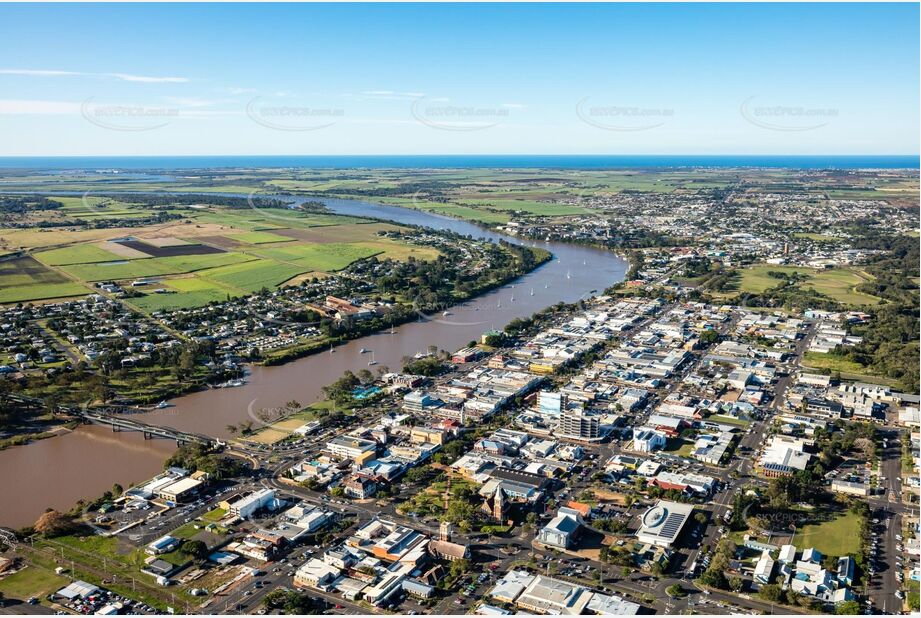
<point>624,454</point>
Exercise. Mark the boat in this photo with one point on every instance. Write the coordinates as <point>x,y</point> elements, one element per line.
<point>391,330</point>
<point>372,361</point>
<point>532,291</point>
<point>363,351</point>
<point>162,405</point>
<point>445,313</point>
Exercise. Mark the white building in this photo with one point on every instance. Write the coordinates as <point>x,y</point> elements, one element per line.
<point>662,524</point>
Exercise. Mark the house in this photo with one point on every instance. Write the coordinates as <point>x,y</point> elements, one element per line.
<point>764,568</point>
<point>846,571</point>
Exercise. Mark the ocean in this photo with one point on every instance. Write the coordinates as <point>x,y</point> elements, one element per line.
<point>462,161</point>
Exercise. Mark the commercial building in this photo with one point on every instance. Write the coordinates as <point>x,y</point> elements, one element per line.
<point>562,529</point>
<point>546,595</point>
<point>180,491</point>
<point>662,524</point>
<point>578,424</point>
<point>246,506</point>
<point>351,447</point>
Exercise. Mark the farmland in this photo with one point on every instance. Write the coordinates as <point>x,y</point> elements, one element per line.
<point>207,254</point>
<point>23,278</point>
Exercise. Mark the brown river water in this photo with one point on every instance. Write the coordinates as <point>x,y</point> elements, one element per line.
<point>56,472</point>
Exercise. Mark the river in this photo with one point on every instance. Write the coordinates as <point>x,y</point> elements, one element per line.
<point>86,462</point>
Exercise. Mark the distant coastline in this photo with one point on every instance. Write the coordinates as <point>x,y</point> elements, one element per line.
<point>462,161</point>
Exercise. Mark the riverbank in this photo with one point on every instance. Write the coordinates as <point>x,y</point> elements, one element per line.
<point>80,463</point>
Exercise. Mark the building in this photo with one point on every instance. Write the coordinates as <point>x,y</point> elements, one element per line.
<point>578,424</point>
<point>511,585</point>
<point>850,488</point>
<point>315,574</point>
<point>360,486</point>
<point>764,568</point>
<point>662,524</point>
<point>352,447</point>
<point>546,595</point>
<point>162,545</point>
<point>427,435</point>
<point>605,605</point>
<point>562,530</point>
<point>182,490</point>
<point>647,440</point>
<point>246,506</point>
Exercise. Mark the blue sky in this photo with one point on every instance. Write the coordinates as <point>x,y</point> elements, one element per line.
<point>459,79</point>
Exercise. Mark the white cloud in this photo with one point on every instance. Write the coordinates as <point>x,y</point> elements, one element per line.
<point>37,72</point>
<point>32,107</point>
<point>148,79</point>
<point>126,77</point>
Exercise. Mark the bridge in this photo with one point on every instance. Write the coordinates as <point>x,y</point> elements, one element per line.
<point>110,416</point>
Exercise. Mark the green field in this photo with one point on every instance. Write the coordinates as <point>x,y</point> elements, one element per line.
<point>531,207</point>
<point>837,537</point>
<point>836,283</point>
<point>186,293</point>
<point>324,257</point>
<point>24,278</point>
<point>152,267</point>
<point>849,370</point>
<point>253,276</point>
<point>77,254</point>
<point>258,238</point>
<point>31,581</point>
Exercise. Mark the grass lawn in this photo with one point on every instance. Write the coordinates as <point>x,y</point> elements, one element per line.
<point>728,420</point>
<point>837,283</point>
<point>679,447</point>
<point>836,537</point>
<point>31,581</point>
<point>215,515</point>
<point>849,369</point>
<point>816,237</point>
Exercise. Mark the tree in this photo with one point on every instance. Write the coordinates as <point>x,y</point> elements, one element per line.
<point>675,591</point>
<point>847,608</point>
<point>54,523</point>
<point>771,592</point>
<point>196,549</point>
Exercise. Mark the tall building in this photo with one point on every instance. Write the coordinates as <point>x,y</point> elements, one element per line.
<point>579,425</point>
